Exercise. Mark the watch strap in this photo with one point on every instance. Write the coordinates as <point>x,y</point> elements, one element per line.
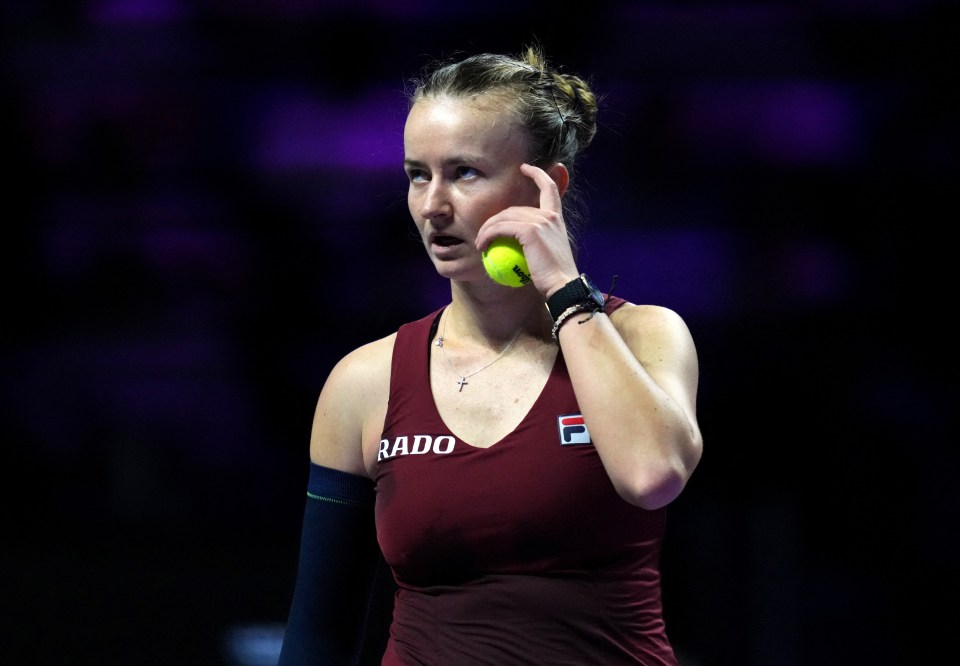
<point>575,292</point>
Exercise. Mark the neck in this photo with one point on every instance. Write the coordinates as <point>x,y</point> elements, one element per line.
<point>494,321</point>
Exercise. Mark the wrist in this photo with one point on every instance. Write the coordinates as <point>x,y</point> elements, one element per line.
<point>578,291</point>
<point>570,312</point>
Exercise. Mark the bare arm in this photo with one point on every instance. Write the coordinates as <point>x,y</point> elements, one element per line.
<point>343,591</point>
<point>635,375</point>
<point>350,410</point>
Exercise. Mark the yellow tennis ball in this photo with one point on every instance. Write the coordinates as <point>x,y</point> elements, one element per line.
<point>505,262</point>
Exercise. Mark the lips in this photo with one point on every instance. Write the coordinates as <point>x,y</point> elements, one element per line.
<point>446,241</point>
<point>447,248</point>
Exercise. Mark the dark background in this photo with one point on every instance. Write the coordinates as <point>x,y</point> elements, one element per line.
<point>205,209</point>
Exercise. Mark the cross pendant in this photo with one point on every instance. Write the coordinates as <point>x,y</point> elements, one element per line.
<point>462,381</point>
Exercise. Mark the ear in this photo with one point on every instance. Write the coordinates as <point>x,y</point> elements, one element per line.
<point>560,176</point>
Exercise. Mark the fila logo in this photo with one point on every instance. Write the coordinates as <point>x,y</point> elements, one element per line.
<point>573,430</point>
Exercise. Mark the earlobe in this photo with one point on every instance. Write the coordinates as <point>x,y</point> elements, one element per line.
<point>560,176</point>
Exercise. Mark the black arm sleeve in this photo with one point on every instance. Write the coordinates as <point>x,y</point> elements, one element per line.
<point>343,594</point>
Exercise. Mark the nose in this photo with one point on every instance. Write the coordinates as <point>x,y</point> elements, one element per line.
<point>434,201</point>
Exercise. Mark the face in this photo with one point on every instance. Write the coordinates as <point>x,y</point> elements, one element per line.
<point>462,158</point>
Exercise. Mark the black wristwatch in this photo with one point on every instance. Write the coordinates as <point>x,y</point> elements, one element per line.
<point>577,291</point>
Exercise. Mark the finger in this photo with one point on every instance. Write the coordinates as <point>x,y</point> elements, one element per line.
<point>503,223</point>
<point>549,194</point>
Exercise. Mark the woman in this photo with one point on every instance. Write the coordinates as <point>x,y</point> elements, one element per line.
<point>511,461</point>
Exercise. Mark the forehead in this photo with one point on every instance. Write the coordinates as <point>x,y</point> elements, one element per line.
<point>478,125</point>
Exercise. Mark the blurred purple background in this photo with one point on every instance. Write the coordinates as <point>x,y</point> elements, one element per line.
<point>206,209</point>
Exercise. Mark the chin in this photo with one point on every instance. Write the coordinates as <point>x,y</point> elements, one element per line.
<point>459,272</point>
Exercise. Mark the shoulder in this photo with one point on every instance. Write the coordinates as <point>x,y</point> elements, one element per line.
<point>647,315</point>
<point>368,367</point>
<point>352,406</point>
<point>652,327</point>
<point>365,367</point>
<point>351,402</point>
<point>661,340</point>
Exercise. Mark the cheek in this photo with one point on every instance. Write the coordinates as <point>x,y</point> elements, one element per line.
<point>413,208</point>
<point>517,196</point>
<point>412,204</point>
<point>529,193</point>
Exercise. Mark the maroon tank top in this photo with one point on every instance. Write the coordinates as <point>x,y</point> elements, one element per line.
<point>520,553</point>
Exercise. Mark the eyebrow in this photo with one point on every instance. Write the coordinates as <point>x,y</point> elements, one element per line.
<point>450,161</point>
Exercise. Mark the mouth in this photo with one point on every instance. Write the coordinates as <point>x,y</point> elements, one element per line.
<point>445,241</point>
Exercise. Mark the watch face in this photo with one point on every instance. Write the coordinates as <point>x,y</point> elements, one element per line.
<point>595,294</point>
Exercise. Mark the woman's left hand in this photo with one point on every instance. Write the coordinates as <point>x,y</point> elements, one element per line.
<point>541,231</point>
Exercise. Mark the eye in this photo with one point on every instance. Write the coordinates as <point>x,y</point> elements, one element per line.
<point>416,175</point>
<point>466,172</point>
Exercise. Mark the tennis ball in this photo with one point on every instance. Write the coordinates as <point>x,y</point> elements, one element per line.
<point>505,262</point>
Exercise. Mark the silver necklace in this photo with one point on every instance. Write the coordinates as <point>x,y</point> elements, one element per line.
<point>462,379</point>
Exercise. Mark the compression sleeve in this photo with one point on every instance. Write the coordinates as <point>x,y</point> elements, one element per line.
<point>342,598</point>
